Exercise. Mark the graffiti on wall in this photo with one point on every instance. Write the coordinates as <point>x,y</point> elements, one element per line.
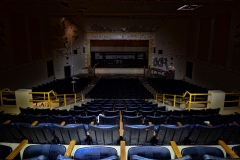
<point>160,62</point>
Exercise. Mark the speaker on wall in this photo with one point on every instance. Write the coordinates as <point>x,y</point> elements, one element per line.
<point>160,51</point>
<point>75,51</point>
<point>83,49</point>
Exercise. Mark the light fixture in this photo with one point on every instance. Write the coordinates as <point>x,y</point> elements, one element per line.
<point>189,7</point>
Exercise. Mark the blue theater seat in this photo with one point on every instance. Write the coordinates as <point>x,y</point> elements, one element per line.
<point>156,120</point>
<point>138,134</point>
<point>231,134</point>
<point>209,157</point>
<point>65,134</point>
<point>109,120</point>
<point>59,119</point>
<point>198,151</point>
<point>10,133</point>
<point>96,153</point>
<point>47,151</point>
<point>5,151</point>
<point>182,119</point>
<point>40,118</point>
<point>132,120</point>
<point>236,149</point>
<point>166,133</point>
<point>104,134</point>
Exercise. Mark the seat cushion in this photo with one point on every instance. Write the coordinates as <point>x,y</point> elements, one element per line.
<point>94,153</point>
<point>51,151</point>
<point>198,152</point>
<point>209,157</point>
<point>136,157</point>
<point>41,157</point>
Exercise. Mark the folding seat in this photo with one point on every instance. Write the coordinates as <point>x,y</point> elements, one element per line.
<point>130,108</point>
<point>119,108</point>
<point>26,110</point>
<point>202,134</point>
<point>59,119</point>
<point>93,112</point>
<point>10,133</point>
<point>146,109</point>
<point>15,118</point>
<point>43,151</point>
<point>57,112</point>
<point>197,112</point>
<point>104,134</point>
<point>43,112</point>
<point>83,107</point>
<point>65,134</point>
<point>161,108</point>
<point>174,119</point>
<point>148,153</point>
<point>236,149</point>
<point>138,134</point>
<point>96,152</point>
<point>93,108</point>
<point>111,113</point>
<point>77,112</point>
<point>40,118</point>
<point>132,120</point>
<point>222,119</point>
<point>198,151</point>
<point>104,108</point>
<point>145,113</point>
<point>163,113</point>
<point>201,119</point>
<point>109,120</point>
<point>180,112</point>
<point>85,120</point>
<point>5,151</point>
<point>231,134</point>
<point>212,111</point>
<point>39,134</point>
<point>156,120</point>
<point>129,113</point>
<point>166,133</point>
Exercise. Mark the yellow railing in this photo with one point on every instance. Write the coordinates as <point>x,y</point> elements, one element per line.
<point>6,90</point>
<point>233,93</point>
<point>186,98</point>
<point>46,97</point>
<point>58,97</point>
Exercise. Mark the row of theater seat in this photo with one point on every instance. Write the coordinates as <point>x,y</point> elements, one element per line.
<point>111,134</point>
<point>59,152</point>
<point>128,117</point>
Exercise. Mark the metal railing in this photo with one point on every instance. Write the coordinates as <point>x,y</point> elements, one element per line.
<point>187,98</point>
<point>235,94</point>
<point>6,90</point>
<point>58,98</point>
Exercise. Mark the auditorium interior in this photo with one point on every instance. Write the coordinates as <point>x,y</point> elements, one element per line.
<point>119,79</point>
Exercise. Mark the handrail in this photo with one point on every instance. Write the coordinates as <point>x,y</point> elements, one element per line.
<point>44,94</point>
<point>7,90</point>
<point>191,99</point>
<point>234,92</point>
<point>48,98</point>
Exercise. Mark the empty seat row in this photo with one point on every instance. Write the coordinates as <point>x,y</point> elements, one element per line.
<point>112,134</point>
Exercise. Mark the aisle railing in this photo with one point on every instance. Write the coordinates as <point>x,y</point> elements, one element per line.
<point>6,90</point>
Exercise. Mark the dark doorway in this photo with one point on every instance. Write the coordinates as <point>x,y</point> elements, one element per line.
<point>67,71</point>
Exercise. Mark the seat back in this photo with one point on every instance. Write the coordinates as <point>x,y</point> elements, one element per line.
<point>174,119</point>
<point>69,132</point>
<point>129,113</point>
<point>96,152</point>
<point>163,113</point>
<point>40,118</point>
<point>104,134</point>
<point>51,151</point>
<point>152,152</point>
<point>146,113</point>
<point>41,133</point>
<point>180,112</point>
<point>77,112</point>
<point>138,134</point>
<point>202,134</point>
<point>231,134</point>
<point>111,113</point>
<point>167,133</point>
<point>132,120</point>
<point>109,120</point>
<point>57,112</point>
<point>85,119</point>
<point>93,112</point>
<point>199,151</point>
<point>200,119</point>
<point>156,120</point>
<point>10,133</point>
<point>59,119</point>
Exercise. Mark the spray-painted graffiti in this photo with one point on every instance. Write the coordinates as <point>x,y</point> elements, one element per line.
<point>159,62</point>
